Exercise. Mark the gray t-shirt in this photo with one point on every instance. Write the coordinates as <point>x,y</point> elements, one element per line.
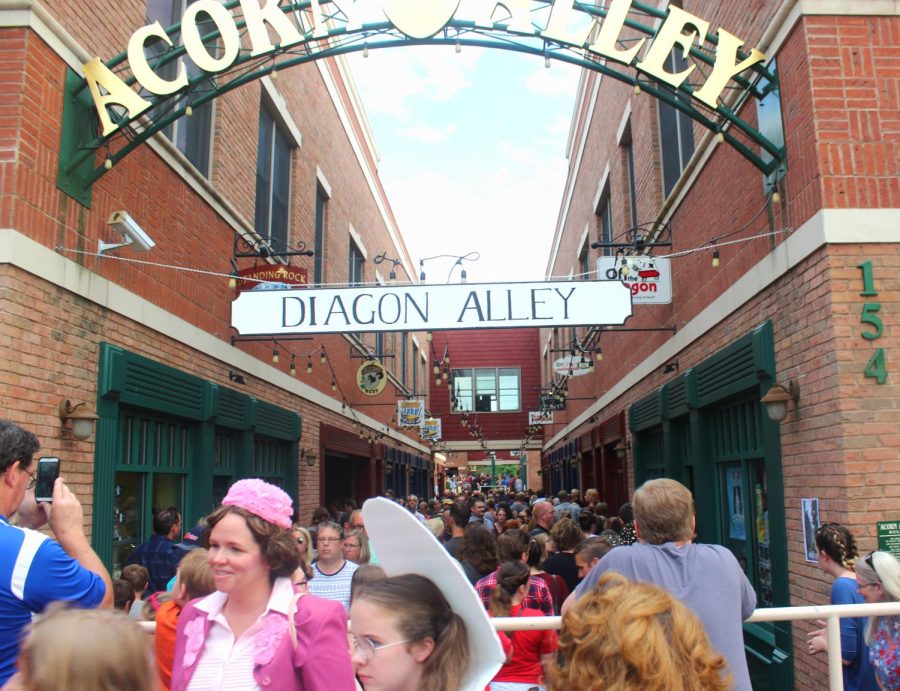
<point>706,578</point>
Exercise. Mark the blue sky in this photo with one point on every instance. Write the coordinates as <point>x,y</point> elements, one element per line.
<point>472,153</point>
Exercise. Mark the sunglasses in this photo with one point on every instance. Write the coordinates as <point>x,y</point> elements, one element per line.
<point>871,563</point>
<point>301,540</point>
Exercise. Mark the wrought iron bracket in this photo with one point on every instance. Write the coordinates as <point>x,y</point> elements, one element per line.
<point>264,248</point>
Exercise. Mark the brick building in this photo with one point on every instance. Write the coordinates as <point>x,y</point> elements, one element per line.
<point>145,338</point>
<point>798,289</point>
<point>493,381</point>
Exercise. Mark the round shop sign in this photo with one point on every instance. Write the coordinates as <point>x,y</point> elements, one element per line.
<point>371,378</point>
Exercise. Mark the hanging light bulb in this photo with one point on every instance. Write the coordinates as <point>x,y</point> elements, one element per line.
<point>776,197</point>
<point>189,111</point>
<point>637,88</point>
<point>275,354</point>
<point>599,355</point>
<point>445,374</point>
<point>437,380</point>
<point>108,164</point>
<point>366,49</point>
<point>720,136</point>
<point>322,356</point>
<point>333,384</point>
<point>392,276</point>
<point>458,47</point>
<point>232,280</point>
<point>462,276</point>
<point>273,75</point>
<point>715,259</point>
<point>309,364</point>
<point>293,366</point>
<point>428,336</point>
<point>436,368</point>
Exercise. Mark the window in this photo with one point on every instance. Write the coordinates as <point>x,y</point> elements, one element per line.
<point>319,260</point>
<point>404,354</point>
<point>415,370</point>
<point>486,389</point>
<point>675,129</point>
<point>604,223</point>
<point>632,188</point>
<point>151,474</point>
<point>273,181</point>
<point>355,272</point>
<point>192,135</point>
<point>584,262</point>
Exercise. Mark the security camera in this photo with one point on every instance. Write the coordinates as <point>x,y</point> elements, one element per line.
<point>131,232</point>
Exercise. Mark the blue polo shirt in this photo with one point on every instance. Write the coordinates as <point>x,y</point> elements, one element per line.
<point>35,571</point>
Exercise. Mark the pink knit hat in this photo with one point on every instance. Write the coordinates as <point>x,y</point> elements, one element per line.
<point>262,499</point>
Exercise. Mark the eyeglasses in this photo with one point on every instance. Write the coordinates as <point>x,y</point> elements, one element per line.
<point>358,525</point>
<point>349,545</point>
<point>366,647</point>
<point>33,481</point>
<point>871,563</point>
<point>328,539</point>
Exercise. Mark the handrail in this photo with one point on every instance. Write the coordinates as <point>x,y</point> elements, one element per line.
<point>832,614</point>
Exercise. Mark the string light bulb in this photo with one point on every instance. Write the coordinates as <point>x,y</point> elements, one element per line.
<point>275,354</point>
<point>720,136</point>
<point>458,47</point>
<point>293,366</point>
<point>776,197</point>
<point>309,364</point>
<point>715,259</point>
<point>333,384</point>
<point>322,356</point>
<point>108,164</point>
<point>189,111</point>
<point>436,369</point>
<point>232,280</point>
<point>637,89</point>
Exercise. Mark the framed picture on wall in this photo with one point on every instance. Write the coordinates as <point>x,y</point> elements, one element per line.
<point>810,510</point>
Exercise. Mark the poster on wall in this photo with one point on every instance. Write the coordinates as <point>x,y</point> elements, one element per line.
<point>410,413</point>
<point>810,508</point>
<point>736,521</point>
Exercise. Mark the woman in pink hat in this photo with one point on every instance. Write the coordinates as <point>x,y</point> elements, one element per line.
<point>255,632</point>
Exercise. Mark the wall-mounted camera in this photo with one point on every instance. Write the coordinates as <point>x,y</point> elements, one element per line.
<point>131,233</point>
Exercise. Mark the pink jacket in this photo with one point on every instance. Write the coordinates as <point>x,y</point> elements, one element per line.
<point>321,661</point>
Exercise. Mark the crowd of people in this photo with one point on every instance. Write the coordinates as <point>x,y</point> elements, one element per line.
<point>254,597</point>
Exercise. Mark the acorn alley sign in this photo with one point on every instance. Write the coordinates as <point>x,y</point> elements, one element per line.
<point>430,307</point>
<point>567,24</point>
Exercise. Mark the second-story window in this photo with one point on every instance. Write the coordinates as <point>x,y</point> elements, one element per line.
<point>676,130</point>
<point>355,270</point>
<point>604,223</point>
<point>192,135</point>
<point>273,181</point>
<point>487,389</point>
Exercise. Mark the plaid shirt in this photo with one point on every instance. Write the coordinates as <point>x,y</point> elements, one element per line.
<point>538,596</point>
<point>160,556</point>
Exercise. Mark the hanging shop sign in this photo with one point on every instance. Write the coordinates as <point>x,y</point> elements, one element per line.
<point>540,417</point>
<point>648,278</point>
<point>411,413</point>
<point>573,365</point>
<point>430,429</point>
<point>271,277</point>
<point>430,307</point>
<point>371,377</point>
<point>551,402</point>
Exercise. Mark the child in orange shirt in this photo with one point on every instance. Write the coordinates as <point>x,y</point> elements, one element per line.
<point>194,579</point>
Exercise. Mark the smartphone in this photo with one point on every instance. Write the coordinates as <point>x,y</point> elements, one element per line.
<point>47,472</point>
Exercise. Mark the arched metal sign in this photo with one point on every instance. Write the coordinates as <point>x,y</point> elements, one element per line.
<point>117,105</point>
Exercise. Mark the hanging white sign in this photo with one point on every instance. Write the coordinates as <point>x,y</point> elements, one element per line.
<point>540,417</point>
<point>573,365</point>
<point>648,278</point>
<point>410,413</point>
<point>430,430</point>
<point>431,307</point>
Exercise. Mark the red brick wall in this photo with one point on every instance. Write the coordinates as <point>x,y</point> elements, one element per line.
<point>488,348</point>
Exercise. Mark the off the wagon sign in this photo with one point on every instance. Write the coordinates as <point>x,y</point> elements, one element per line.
<point>431,308</point>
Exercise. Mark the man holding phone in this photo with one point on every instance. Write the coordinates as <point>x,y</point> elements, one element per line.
<point>34,569</point>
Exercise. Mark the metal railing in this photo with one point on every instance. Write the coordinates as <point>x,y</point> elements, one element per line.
<point>831,614</point>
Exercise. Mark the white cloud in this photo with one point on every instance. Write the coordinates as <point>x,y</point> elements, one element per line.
<point>560,79</point>
<point>430,135</point>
